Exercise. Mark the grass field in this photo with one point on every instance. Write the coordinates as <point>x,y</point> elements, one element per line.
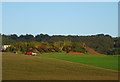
<point>22,67</point>
<point>108,62</point>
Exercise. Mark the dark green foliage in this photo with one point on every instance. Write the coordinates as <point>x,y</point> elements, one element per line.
<point>26,38</point>
<point>14,37</point>
<point>78,47</point>
<point>56,43</point>
<point>7,40</point>
<point>114,51</point>
<point>81,50</point>
<point>41,37</point>
<point>101,43</point>
<point>12,49</point>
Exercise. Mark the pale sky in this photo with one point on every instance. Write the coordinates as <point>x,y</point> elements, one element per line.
<point>60,18</point>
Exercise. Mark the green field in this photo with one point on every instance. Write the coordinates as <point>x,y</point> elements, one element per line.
<point>23,67</point>
<point>108,62</point>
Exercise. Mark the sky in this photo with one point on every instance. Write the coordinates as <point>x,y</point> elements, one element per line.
<point>60,18</point>
<point>0,17</point>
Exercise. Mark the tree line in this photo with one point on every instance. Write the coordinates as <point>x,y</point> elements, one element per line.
<point>101,43</point>
<point>42,47</point>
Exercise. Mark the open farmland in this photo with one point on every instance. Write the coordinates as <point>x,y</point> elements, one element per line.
<point>104,61</point>
<point>22,67</point>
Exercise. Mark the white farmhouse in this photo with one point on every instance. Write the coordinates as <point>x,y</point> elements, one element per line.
<point>4,47</point>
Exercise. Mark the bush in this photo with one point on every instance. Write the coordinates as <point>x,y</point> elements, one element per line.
<point>113,51</point>
<point>80,50</point>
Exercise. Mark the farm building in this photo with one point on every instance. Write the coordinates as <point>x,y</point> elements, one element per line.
<point>4,47</point>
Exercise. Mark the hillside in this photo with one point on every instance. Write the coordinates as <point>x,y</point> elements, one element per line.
<point>92,51</point>
<point>104,44</point>
<point>21,67</point>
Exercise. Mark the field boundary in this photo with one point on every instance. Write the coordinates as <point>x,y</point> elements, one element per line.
<point>85,65</point>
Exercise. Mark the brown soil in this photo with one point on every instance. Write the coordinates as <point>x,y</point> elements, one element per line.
<point>92,51</point>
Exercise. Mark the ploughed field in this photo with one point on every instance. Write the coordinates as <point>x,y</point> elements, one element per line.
<point>57,66</point>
